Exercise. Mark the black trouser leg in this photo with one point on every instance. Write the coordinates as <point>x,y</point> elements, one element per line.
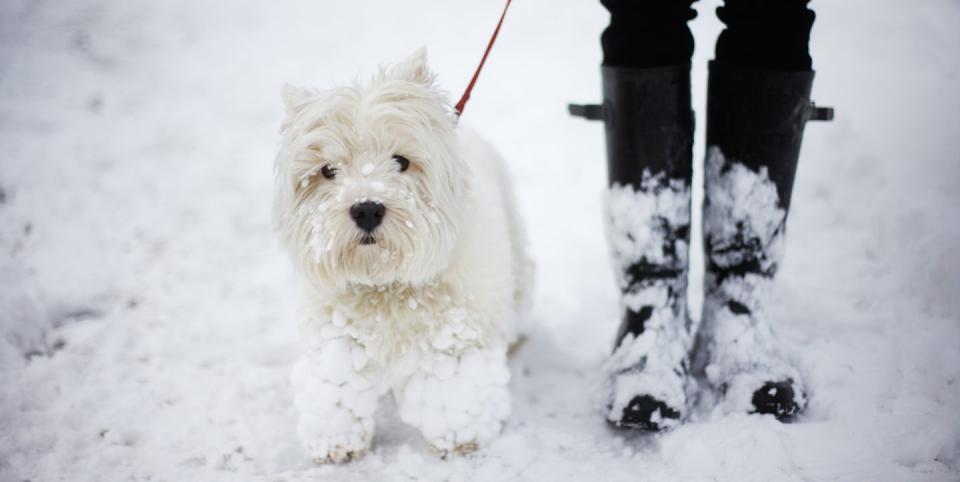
<point>648,33</point>
<point>766,34</point>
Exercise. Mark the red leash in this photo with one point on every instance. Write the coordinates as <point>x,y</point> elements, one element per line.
<point>466,94</point>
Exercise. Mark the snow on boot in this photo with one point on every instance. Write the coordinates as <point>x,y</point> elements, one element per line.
<point>649,132</point>
<point>755,122</point>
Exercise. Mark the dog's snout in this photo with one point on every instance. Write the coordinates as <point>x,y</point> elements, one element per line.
<point>367,215</point>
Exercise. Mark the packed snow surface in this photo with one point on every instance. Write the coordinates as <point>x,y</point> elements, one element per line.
<point>148,321</point>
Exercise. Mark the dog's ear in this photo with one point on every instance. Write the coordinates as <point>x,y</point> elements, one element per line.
<point>414,68</point>
<point>294,98</point>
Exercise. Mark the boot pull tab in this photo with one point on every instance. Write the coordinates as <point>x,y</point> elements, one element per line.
<point>587,111</point>
<point>815,113</point>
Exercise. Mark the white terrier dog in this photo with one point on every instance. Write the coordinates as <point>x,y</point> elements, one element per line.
<point>407,233</point>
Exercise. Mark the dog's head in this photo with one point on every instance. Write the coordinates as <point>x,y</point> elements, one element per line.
<point>370,188</point>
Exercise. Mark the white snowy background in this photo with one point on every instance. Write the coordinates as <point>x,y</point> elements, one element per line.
<point>148,319</point>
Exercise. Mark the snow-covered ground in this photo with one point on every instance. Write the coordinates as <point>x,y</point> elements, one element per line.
<point>148,319</point>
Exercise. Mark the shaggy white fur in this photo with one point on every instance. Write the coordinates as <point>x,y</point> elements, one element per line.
<point>425,309</point>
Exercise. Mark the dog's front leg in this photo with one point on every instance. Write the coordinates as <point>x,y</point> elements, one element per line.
<point>458,402</point>
<point>336,396</point>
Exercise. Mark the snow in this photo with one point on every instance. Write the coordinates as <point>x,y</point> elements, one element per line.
<point>637,220</point>
<point>141,275</point>
<point>743,206</point>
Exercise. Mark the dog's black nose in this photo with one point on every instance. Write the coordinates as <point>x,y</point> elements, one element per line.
<point>367,215</point>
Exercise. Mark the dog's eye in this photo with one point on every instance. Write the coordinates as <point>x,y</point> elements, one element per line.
<point>328,172</point>
<point>403,161</point>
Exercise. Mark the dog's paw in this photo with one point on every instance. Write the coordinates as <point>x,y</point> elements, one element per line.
<point>461,449</point>
<point>336,403</point>
<point>337,437</point>
<point>336,454</point>
<point>326,450</point>
<point>458,403</point>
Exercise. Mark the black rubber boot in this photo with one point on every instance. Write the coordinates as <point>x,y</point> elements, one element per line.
<point>649,137</point>
<point>755,123</point>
